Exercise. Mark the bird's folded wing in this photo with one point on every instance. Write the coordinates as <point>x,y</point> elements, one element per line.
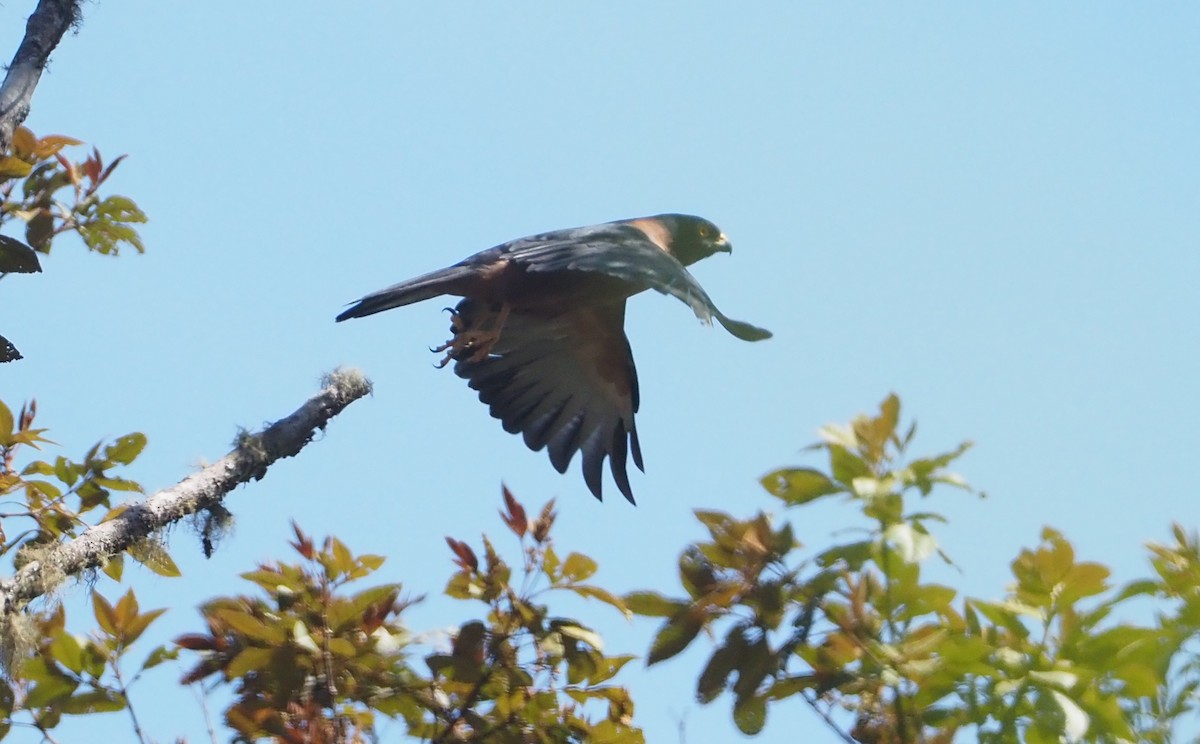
<point>624,252</point>
<point>566,383</point>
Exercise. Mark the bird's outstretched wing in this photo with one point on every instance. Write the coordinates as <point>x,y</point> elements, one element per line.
<point>623,252</point>
<point>566,383</point>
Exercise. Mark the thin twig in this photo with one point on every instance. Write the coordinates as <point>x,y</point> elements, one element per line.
<point>124,690</point>
<point>812,703</point>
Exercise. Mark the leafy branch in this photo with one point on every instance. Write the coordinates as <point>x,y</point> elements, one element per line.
<point>130,525</point>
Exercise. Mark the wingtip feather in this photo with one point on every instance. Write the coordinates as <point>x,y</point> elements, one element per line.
<point>742,330</point>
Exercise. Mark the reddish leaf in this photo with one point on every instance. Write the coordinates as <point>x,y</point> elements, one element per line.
<point>92,166</point>
<point>108,171</point>
<point>68,168</point>
<point>515,518</point>
<point>195,642</point>
<point>303,543</point>
<point>466,558</point>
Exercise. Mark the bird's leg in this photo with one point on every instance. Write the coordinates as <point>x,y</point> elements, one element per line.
<point>455,344</point>
<point>480,341</point>
<point>473,344</point>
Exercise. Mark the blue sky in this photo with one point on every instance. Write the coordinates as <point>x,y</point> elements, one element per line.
<point>992,211</point>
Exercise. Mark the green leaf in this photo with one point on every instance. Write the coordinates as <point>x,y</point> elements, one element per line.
<point>342,647</point>
<point>874,434</point>
<point>750,714</point>
<point>854,554</point>
<point>119,484</point>
<point>39,230</point>
<point>605,596</point>
<point>250,626</point>
<point>785,687</point>
<point>696,572</point>
<point>578,567</point>
<point>343,559</point>
<point>673,637</point>
<point>93,701</point>
<point>159,655</point>
<point>66,471</point>
<point>718,523</point>
<point>6,424</point>
<point>114,567</point>
<point>1139,588</point>
<point>551,563</point>
<point>846,465</point>
<point>652,604</point>
<point>138,625</point>
<point>798,486</point>
<point>1004,616</point>
<point>50,692</point>
<point>155,557</point>
<point>716,672</point>
<point>754,664</point>
<point>371,562</point>
<point>571,629</point>
<point>126,449</point>
<point>11,167</point>
<point>121,209</point>
<point>350,614</point>
<point>48,490</point>
<point>463,585</point>
<point>248,660</point>
<point>924,473</point>
<point>106,617</point>
<point>1083,580</point>
<point>38,467</point>
<point>66,651</point>
<point>609,667</point>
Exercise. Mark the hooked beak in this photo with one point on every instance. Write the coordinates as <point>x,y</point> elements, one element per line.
<point>723,244</point>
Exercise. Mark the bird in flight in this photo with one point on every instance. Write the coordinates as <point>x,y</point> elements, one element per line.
<point>540,330</point>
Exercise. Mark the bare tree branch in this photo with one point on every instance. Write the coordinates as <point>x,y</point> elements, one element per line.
<point>43,31</point>
<point>250,459</point>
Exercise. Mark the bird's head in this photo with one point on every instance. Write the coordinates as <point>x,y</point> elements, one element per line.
<point>684,236</point>
<point>694,238</point>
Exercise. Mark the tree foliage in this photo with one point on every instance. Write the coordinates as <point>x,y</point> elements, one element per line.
<point>57,195</point>
<point>54,195</point>
<point>853,630</point>
<point>856,632</point>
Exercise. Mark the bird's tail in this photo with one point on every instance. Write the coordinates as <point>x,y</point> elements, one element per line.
<point>443,281</point>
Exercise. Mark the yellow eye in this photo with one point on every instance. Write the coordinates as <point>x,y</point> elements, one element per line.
<point>705,231</point>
